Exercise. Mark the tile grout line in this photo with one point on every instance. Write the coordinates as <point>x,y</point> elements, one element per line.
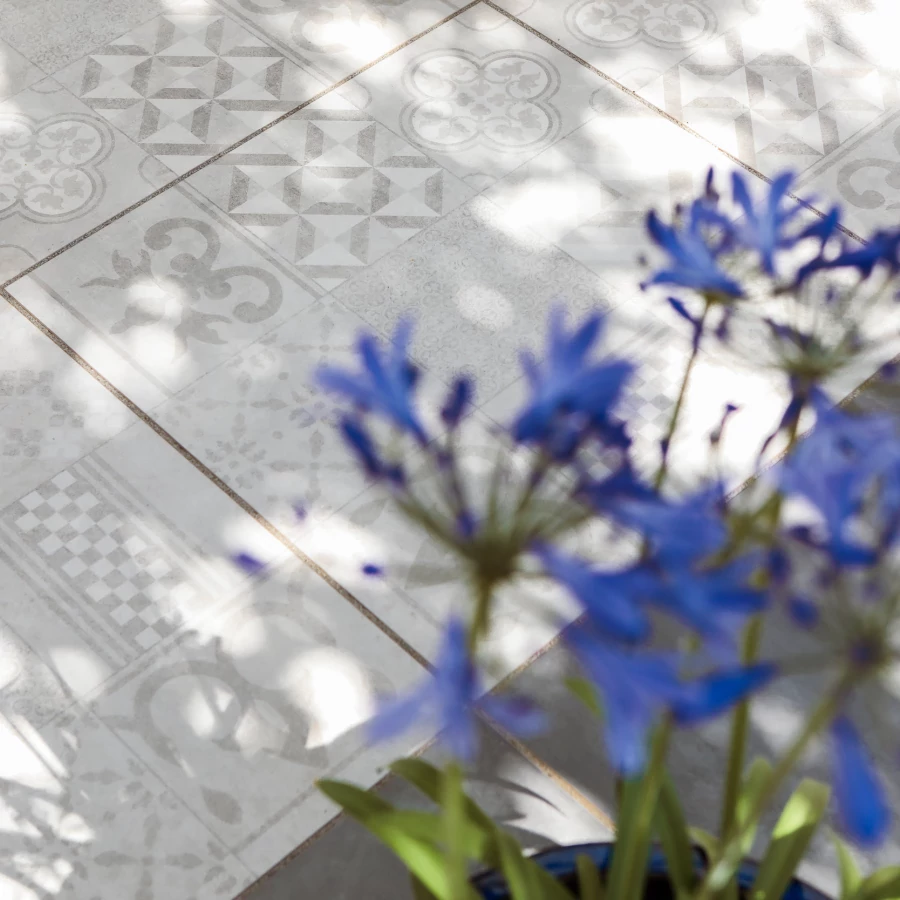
<point>185,175</point>
<point>216,480</point>
<point>661,112</point>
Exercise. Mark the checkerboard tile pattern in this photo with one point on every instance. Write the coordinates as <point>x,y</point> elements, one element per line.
<point>90,542</point>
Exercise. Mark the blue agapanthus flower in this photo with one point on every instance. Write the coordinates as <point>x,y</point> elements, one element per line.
<point>835,466</point>
<point>637,687</point>
<point>767,227</point>
<point>570,393</point>
<point>385,384</point>
<point>694,252</point>
<point>449,700</point>
<point>612,600</point>
<point>862,805</point>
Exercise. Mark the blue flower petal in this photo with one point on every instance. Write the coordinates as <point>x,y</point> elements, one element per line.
<point>862,805</point>
<point>705,698</point>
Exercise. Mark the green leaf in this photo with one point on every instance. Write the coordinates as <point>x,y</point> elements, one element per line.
<point>709,842</point>
<point>676,841</point>
<point>793,832</point>
<point>454,827</point>
<point>422,858</point>
<point>419,891</point>
<point>851,877</point>
<point>430,781</point>
<point>881,885</point>
<point>755,780</point>
<point>586,693</point>
<point>590,885</point>
<point>519,878</point>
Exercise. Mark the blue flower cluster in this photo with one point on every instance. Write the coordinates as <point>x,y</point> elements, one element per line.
<point>695,565</point>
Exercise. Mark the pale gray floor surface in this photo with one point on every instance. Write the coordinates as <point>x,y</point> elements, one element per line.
<point>200,200</point>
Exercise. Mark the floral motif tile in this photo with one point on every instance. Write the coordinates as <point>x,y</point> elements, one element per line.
<point>777,94</point>
<point>163,295</point>
<point>479,100</point>
<point>81,816</point>
<point>632,40</point>
<point>241,720</point>
<point>331,189</point>
<point>477,282</point>
<point>589,193</point>
<point>185,87</point>
<point>63,170</point>
<point>338,37</point>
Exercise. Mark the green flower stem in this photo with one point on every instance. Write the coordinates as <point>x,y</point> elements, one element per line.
<point>454,823</point>
<point>481,615</point>
<point>728,859</point>
<point>741,717</point>
<point>663,470</point>
<point>629,868</point>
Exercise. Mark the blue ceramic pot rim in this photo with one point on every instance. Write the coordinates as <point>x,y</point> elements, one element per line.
<point>560,862</point>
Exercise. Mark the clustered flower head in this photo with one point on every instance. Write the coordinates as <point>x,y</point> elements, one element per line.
<point>699,564</point>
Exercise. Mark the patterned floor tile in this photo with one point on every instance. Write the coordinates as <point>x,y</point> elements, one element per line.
<point>185,87</point>
<point>16,72</point>
<point>241,720</point>
<point>63,171</point>
<point>163,295</point>
<point>480,94</point>
<point>590,192</point>
<point>777,94</point>
<point>338,37</point>
<point>477,282</point>
<point>330,189</point>
<point>634,41</point>
<point>81,816</point>
<point>864,176</point>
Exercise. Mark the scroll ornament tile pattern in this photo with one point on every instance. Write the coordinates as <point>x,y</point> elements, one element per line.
<point>776,97</point>
<point>241,721</point>
<point>81,817</point>
<point>865,176</point>
<point>185,87</point>
<point>330,189</point>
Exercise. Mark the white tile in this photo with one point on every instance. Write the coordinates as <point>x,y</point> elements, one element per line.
<point>775,92</point>
<point>330,189</point>
<point>162,295</point>
<point>65,171</point>
<point>240,719</point>
<point>481,95</point>
<point>345,35</point>
<point>80,815</point>
<point>631,40</point>
<point>185,87</point>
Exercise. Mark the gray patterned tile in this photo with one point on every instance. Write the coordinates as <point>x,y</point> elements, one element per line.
<point>338,37</point>
<point>16,72</point>
<point>80,816</point>
<point>631,40</point>
<point>331,189</point>
<point>64,171</point>
<point>589,193</point>
<point>163,295</point>
<point>864,176</point>
<point>240,716</point>
<point>481,95</point>
<point>477,282</point>
<point>775,92</point>
<point>347,863</point>
<point>185,87</point>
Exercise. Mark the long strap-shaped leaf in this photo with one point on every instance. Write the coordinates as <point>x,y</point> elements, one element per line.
<point>881,885</point>
<point>794,830</point>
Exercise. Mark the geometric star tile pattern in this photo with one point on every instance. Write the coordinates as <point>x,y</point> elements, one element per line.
<point>187,86</point>
<point>330,189</point>
<point>774,97</point>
